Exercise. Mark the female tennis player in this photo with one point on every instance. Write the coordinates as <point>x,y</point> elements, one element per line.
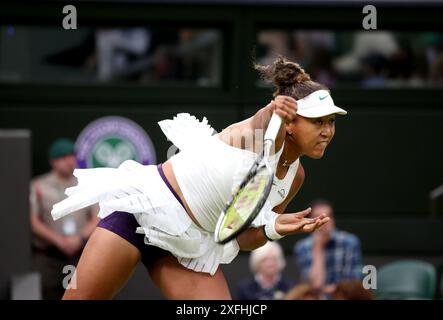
<point>166,215</point>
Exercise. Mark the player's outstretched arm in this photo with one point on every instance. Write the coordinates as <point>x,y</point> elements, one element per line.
<point>292,223</point>
<point>255,237</point>
<point>286,224</point>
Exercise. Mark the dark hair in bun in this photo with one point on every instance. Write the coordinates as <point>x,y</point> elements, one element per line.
<point>289,78</point>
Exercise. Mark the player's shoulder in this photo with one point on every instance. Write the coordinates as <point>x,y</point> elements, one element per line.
<point>237,128</point>
<point>239,135</point>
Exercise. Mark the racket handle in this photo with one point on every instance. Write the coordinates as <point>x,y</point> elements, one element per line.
<point>273,127</point>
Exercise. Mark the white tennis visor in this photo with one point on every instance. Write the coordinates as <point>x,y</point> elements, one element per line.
<point>318,104</point>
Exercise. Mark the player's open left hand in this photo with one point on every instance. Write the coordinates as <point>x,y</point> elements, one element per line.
<point>291,223</point>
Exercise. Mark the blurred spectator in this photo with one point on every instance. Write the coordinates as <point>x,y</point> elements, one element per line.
<point>57,243</point>
<point>328,255</point>
<point>271,44</point>
<point>381,43</point>
<point>117,47</point>
<point>374,71</point>
<point>314,50</point>
<point>303,291</point>
<point>401,66</point>
<point>321,67</point>
<point>350,290</point>
<point>432,44</point>
<point>200,52</point>
<point>343,290</point>
<point>266,263</point>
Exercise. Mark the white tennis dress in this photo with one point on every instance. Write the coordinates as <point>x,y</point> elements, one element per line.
<point>206,169</point>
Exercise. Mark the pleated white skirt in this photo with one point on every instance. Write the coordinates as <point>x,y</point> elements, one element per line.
<point>140,190</point>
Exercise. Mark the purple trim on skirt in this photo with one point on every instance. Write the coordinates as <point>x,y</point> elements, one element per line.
<point>165,180</point>
<point>124,225</point>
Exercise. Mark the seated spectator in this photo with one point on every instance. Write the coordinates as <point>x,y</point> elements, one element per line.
<point>303,291</point>
<point>343,290</point>
<point>266,263</point>
<point>328,255</point>
<point>374,71</point>
<point>350,290</point>
<point>381,43</point>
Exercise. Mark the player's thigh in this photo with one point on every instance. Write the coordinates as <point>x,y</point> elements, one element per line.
<point>177,282</point>
<point>106,264</point>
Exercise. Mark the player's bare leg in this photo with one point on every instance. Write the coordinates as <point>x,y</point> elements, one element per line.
<point>179,283</point>
<point>106,264</point>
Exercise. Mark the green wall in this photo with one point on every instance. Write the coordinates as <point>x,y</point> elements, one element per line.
<point>378,172</point>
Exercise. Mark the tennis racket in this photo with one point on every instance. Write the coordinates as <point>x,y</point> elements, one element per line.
<point>251,194</point>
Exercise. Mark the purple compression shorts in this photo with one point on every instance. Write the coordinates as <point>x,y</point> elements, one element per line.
<point>124,225</point>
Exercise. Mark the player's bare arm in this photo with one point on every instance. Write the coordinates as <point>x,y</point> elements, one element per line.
<point>286,224</point>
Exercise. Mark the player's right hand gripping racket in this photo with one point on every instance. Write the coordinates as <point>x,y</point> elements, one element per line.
<point>252,192</point>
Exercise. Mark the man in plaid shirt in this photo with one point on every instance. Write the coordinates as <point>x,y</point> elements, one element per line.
<point>328,255</point>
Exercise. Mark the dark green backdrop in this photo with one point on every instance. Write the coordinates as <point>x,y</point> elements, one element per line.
<point>385,159</point>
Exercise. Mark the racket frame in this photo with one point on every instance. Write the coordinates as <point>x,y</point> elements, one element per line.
<point>259,163</point>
